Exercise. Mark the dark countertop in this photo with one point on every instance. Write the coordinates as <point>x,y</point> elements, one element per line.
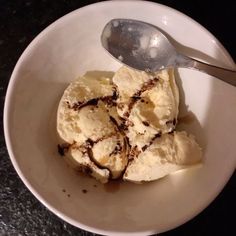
<point>20,212</point>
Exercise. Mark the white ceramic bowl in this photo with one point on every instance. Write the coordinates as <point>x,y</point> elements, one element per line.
<point>70,47</point>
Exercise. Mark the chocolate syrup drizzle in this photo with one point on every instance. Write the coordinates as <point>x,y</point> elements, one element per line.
<point>137,95</point>
<point>109,100</point>
<point>158,135</point>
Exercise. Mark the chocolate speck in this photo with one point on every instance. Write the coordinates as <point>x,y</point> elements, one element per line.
<point>174,121</point>
<point>142,100</point>
<point>63,190</point>
<point>76,105</point>
<point>63,148</point>
<point>87,170</point>
<point>123,126</point>
<point>144,147</point>
<point>126,114</point>
<point>135,97</point>
<point>145,123</point>
<point>68,104</point>
<point>158,135</point>
<point>84,190</point>
<point>68,195</point>
<point>95,186</point>
<point>89,143</point>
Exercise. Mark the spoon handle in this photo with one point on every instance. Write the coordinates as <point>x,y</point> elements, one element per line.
<point>226,75</point>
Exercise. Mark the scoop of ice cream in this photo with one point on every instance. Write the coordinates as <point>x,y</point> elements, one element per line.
<point>80,94</point>
<point>166,154</point>
<point>148,103</point>
<point>88,121</point>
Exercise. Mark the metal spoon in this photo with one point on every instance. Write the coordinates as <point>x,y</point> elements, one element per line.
<point>142,46</point>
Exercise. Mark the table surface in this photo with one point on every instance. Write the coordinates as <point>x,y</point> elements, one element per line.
<point>20,212</point>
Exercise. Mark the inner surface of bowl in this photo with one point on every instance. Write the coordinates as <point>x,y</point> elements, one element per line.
<point>69,48</point>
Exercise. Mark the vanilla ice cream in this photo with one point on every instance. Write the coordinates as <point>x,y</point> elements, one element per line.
<point>124,126</point>
<point>148,103</point>
<point>166,154</point>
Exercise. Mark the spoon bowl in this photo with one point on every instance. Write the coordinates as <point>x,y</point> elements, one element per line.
<point>137,44</point>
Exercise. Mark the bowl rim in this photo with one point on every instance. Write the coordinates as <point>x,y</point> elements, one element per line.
<point>8,102</point>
